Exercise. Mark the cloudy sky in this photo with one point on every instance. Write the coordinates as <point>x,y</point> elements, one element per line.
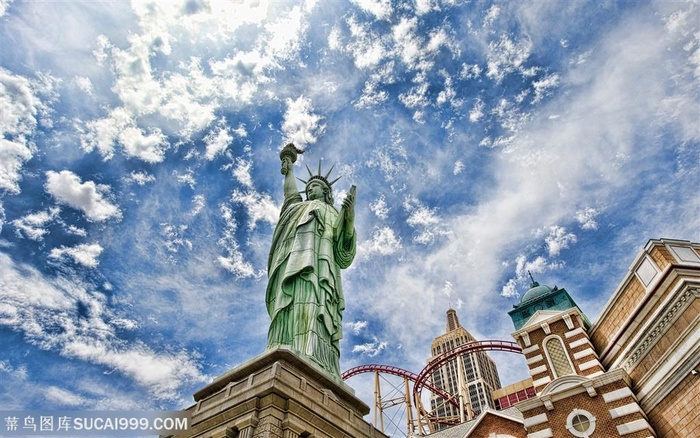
<point>140,182</point>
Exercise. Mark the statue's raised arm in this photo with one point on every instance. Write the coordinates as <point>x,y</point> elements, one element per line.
<point>311,244</point>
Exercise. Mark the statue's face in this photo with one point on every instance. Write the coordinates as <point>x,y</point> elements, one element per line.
<point>315,191</point>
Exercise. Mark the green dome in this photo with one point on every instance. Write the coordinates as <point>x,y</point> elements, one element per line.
<point>535,292</point>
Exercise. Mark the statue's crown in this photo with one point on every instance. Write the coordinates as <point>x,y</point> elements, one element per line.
<point>319,177</point>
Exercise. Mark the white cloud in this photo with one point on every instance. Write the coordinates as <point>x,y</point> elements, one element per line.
<point>19,108</point>
<point>46,312</point>
<point>72,229</point>
<point>286,32</point>
<point>13,155</point>
<point>259,207</point>
<point>19,104</point>
<point>34,225</point>
<point>187,100</point>
<point>67,188</point>
<point>148,147</point>
<point>124,323</point>
<point>380,207</point>
<point>470,71</point>
<point>83,254</point>
<point>186,178</point>
<point>506,56</point>
<point>449,94</point>
<point>84,84</point>
<point>301,126</point>
<point>233,261</point>
<point>381,9</point>
<point>371,94</point>
<point>491,15</point>
<point>239,77</point>
<point>217,141</point>
<point>119,127</point>
<point>477,111</point>
<point>199,202</point>
<point>407,42</point>
<point>391,159</point>
<point>174,237</point>
<point>458,167</point>
<point>370,349</point>
<point>510,289</point>
<point>384,242</point>
<point>64,397</point>
<point>356,327</point>
<point>162,373</point>
<point>428,225</point>
<point>367,48</point>
<point>141,178</point>
<point>544,86</point>
<point>586,218</point>
<point>510,117</point>
<point>4,5</point>
<point>242,172</point>
<point>426,6</point>
<point>439,38</point>
<point>448,288</point>
<point>558,239</point>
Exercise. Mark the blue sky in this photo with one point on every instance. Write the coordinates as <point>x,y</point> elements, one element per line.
<point>140,183</point>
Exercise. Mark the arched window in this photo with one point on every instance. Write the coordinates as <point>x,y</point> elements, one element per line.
<point>558,359</point>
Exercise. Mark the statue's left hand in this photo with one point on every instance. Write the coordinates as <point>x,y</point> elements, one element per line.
<point>349,207</point>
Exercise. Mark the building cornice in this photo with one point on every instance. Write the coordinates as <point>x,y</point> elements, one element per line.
<point>533,323</point>
<point>647,336</point>
<point>571,385</point>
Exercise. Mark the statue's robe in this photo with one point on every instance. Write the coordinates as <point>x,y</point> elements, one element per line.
<point>304,294</point>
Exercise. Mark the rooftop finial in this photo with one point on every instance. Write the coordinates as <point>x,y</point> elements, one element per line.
<point>534,283</point>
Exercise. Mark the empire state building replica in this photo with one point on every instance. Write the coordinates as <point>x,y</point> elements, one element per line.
<point>473,375</point>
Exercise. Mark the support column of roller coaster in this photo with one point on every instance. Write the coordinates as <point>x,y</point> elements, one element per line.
<point>425,421</point>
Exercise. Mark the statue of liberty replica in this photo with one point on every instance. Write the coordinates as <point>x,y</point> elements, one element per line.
<point>312,242</point>
<point>294,388</point>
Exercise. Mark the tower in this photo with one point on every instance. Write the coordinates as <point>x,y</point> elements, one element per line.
<point>475,371</point>
<point>575,395</point>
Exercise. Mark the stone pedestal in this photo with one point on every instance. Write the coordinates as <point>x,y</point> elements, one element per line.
<point>278,395</point>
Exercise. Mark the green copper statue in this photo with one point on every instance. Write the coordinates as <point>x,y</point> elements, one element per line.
<point>311,244</point>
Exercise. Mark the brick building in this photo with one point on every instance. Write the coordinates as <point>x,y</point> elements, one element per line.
<point>634,373</point>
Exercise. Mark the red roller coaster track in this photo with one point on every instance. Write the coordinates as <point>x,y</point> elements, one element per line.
<point>396,371</point>
<point>420,381</point>
<point>490,345</point>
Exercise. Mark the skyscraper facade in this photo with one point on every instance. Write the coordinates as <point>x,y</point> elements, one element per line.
<point>474,372</point>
